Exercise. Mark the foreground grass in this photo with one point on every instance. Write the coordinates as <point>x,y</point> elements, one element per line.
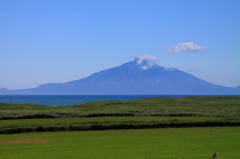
<point>167,143</point>
<point>113,118</point>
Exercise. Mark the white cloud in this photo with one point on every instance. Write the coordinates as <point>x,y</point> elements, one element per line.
<point>144,67</point>
<point>185,47</point>
<point>144,57</point>
<point>148,59</point>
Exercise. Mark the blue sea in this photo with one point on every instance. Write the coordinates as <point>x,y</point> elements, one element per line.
<point>66,100</point>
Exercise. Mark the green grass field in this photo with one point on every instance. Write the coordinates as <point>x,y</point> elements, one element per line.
<point>159,112</point>
<point>110,123</point>
<point>165,143</point>
<point>187,127</point>
<point>161,106</point>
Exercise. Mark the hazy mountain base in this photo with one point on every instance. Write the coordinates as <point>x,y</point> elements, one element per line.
<point>131,78</point>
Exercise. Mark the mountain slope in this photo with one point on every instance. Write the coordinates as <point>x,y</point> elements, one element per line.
<point>135,77</point>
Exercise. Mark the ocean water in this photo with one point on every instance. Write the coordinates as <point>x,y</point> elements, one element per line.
<point>66,100</point>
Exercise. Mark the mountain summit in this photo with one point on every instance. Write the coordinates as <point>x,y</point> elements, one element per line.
<point>140,76</point>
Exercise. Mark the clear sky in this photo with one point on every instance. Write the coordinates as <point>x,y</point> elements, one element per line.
<point>56,41</point>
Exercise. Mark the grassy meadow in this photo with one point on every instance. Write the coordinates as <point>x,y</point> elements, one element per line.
<point>159,112</point>
<point>166,143</point>
<point>153,128</point>
<point>160,106</point>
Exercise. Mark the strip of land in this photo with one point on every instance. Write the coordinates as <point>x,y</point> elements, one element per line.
<point>158,112</point>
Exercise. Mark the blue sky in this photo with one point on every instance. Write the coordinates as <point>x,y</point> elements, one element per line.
<point>56,41</point>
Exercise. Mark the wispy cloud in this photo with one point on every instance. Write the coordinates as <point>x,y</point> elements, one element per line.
<point>146,57</point>
<point>148,60</point>
<point>185,47</point>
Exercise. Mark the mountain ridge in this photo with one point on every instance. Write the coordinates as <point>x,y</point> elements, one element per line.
<point>139,77</point>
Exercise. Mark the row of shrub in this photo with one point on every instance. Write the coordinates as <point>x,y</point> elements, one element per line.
<point>19,115</point>
<point>60,115</point>
<point>112,126</point>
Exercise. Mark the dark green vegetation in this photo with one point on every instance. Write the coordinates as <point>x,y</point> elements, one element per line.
<point>166,143</point>
<point>136,114</point>
<point>161,106</point>
<point>172,141</point>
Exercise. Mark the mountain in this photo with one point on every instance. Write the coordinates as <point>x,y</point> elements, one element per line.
<point>135,77</point>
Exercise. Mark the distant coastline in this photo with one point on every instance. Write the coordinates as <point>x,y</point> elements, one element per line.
<point>66,100</point>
